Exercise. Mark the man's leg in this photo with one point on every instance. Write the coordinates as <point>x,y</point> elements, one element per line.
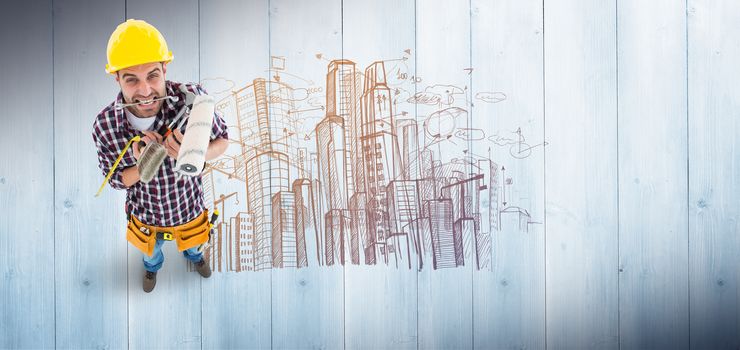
<point>196,257</point>
<point>193,254</point>
<point>152,265</point>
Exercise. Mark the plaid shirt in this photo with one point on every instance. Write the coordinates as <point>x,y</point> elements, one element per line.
<point>169,199</point>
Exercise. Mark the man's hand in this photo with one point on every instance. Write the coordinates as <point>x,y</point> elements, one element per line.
<point>172,143</point>
<point>149,136</point>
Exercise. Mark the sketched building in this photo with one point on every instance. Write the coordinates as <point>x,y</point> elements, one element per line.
<point>405,211</point>
<point>342,100</point>
<point>244,234</point>
<point>288,245</point>
<point>514,218</point>
<point>305,226</point>
<point>358,227</point>
<point>381,157</point>
<point>265,130</point>
<point>264,118</point>
<point>330,149</point>
<point>338,246</point>
<point>407,134</point>
<point>332,162</point>
<point>447,250</point>
<point>267,173</point>
<point>214,251</point>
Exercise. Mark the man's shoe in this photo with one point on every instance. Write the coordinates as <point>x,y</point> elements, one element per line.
<point>203,268</point>
<point>150,280</point>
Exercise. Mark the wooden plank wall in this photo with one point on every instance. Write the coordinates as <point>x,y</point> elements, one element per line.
<point>27,259</point>
<point>629,174</point>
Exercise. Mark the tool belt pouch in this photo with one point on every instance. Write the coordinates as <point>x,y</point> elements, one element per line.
<point>143,241</point>
<point>194,233</point>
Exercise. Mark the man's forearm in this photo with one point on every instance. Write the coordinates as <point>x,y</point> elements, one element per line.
<point>216,148</point>
<point>130,176</point>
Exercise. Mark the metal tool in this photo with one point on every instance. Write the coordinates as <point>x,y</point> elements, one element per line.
<point>120,106</point>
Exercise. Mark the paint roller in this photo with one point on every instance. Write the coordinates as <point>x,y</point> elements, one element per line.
<point>192,156</point>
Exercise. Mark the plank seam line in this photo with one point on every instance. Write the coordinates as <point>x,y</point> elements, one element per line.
<point>53,171</point>
<point>416,115</point>
<point>688,173</point>
<point>470,167</point>
<point>544,165</point>
<point>619,254</point>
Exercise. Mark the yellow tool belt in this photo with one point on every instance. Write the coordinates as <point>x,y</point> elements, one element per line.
<point>188,235</point>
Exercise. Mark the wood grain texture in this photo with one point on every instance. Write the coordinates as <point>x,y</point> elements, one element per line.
<point>443,52</point>
<point>630,239</point>
<point>581,174</point>
<point>173,308</point>
<point>652,153</point>
<point>714,183</point>
<point>234,43</point>
<point>89,235</point>
<point>381,300</point>
<point>507,61</point>
<point>27,177</point>
<point>308,302</point>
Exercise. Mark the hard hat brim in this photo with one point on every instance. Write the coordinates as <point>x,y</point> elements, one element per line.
<point>113,69</point>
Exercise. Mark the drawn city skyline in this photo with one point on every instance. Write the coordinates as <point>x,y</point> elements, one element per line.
<point>367,184</point>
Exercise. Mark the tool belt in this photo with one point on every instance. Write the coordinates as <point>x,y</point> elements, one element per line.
<point>188,235</point>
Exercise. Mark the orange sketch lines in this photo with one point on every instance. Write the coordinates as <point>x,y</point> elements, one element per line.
<point>343,174</point>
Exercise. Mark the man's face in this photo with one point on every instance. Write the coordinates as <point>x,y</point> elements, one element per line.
<point>141,83</point>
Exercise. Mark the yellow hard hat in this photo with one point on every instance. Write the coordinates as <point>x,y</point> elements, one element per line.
<point>135,42</point>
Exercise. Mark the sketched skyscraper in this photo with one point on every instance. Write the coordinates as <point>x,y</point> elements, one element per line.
<point>264,126</point>
<point>288,244</point>
<point>330,150</point>
<point>382,161</point>
<point>330,147</point>
<point>342,100</point>
<point>407,134</point>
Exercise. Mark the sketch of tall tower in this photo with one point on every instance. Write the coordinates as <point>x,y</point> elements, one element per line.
<point>407,134</point>
<point>446,243</point>
<point>264,125</point>
<point>288,248</point>
<point>338,245</point>
<point>343,101</point>
<point>381,156</point>
<point>493,198</point>
<point>405,211</point>
<point>264,118</point>
<point>330,148</point>
<point>267,173</point>
<point>307,236</point>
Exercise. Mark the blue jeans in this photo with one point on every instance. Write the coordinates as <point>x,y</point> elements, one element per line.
<point>154,263</point>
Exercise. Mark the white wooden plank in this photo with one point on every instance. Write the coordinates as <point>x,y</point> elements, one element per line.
<point>443,53</point>
<point>653,231</point>
<point>173,309</point>
<point>381,300</point>
<point>509,293</point>
<point>714,175</point>
<point>307,301</point>
<point>234,49</point>
<point>90,267</point>
<point>26,177</point>
<point>581,175</point>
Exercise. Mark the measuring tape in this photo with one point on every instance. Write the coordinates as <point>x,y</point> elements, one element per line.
<point>107,177</point>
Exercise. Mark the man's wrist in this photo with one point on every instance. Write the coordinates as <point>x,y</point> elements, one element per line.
<point>130,176</point>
